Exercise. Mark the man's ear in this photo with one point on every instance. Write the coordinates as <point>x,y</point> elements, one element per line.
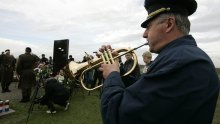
<point>171,21</point>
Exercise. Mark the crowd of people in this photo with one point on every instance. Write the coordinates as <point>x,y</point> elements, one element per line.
<point>7,67</point>
<point>28,69</point>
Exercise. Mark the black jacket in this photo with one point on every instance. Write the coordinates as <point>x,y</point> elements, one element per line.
<point>26,64</point>
<point>133,76</point>
<point>55,92</point>
<point>180,87</point>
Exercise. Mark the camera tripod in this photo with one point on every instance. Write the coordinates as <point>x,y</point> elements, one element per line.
<point>34,98</point>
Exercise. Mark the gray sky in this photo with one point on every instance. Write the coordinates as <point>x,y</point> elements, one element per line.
<point>88,24</point>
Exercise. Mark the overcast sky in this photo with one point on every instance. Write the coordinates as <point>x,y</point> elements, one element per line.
<point>88,24</point>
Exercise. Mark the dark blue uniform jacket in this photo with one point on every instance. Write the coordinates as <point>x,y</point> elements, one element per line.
<point>181,87</point>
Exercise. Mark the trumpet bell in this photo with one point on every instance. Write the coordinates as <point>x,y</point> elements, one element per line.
<point>76,67</point>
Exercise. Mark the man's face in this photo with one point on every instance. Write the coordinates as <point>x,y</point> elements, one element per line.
<point>7,52</point>
<point>146,59</point>
<point>128,56</point>
<point>155,33</point>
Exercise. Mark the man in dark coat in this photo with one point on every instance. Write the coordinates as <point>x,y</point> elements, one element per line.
<point>7,70</point>
<point>25,70</point>
<point>181,85</point>
<point>56,93</point>
<point>2,54</point>
<point>134,75</point>
<point>44,59</point>
<point>50,61</point>
<point>70,58</point>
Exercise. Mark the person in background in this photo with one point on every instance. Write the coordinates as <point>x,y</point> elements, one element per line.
<point>7,70</point>
<point>134,75</point>
<point>60,76</point>
<point>180,87</point>
<point>50,61</point>
<point>55,93</point>
<point>2,54</point>
<point>70,58</point>
<point>147,57</point>
<point>25,70</point>
<point>44,59</point>
<point>89,76</point>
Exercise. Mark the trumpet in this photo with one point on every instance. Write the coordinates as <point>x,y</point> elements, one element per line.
<point>78,69</point>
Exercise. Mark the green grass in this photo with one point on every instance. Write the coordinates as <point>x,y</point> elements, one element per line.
<point>84,109</point>
<point>218,70</point>
<point>216,119</point>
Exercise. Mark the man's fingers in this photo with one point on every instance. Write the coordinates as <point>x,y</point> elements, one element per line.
<point>101,69</point>
<point>105,47</point>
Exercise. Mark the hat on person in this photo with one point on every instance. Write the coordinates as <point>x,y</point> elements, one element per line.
<point>28,49</point>
<point>157,7</point>
<point>7,50</point>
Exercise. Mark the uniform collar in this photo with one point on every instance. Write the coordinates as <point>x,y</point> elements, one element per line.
<point>185,40</point>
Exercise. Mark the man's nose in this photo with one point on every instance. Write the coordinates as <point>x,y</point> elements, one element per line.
<point>145,35</point>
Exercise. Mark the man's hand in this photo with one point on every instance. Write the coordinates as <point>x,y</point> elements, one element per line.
<point>108,68</point>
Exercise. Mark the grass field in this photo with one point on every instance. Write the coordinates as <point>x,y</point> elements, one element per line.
<point>218,70</point>
<point>84,109</point>
<point>216,119</point>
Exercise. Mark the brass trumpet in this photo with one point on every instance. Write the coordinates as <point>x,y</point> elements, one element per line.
<point>77,69</point>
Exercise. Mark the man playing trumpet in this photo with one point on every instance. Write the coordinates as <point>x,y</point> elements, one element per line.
<point>180,87</point>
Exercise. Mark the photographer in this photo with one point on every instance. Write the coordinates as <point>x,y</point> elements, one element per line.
<point>55,93</point>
